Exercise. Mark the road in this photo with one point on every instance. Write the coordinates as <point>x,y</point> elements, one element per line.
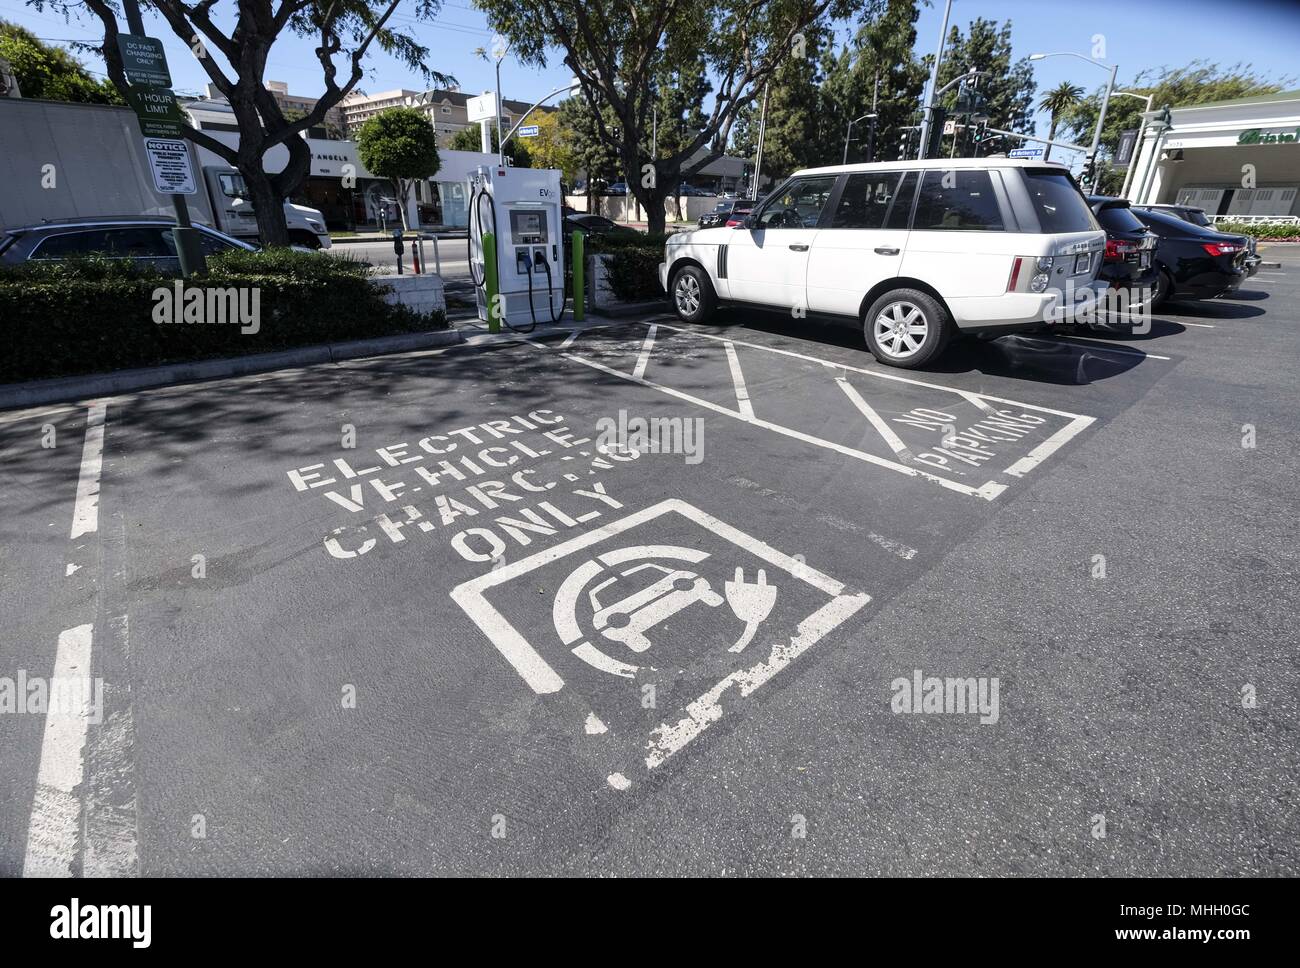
<point>455,266</point>
<point>406,616</point>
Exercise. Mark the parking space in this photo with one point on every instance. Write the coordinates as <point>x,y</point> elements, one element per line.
<point>636,595</point>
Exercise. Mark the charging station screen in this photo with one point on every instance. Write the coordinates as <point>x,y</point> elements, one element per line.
<point>527,227</point>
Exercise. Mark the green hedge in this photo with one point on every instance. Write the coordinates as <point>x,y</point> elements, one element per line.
<point>633,265</point>
<point>94,315</point>
<point>1268,232</point>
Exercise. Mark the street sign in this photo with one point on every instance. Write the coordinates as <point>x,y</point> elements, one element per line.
<point>528,131</point>
<point>1025,153</point>
<point>143,60</point>
<point>170,163</point>
<point>482,108</point>
<point>950,126</point>
<point>156,110</point>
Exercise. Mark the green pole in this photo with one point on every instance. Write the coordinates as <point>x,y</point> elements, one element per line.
<point>491,284</point>
<point>579,261</point>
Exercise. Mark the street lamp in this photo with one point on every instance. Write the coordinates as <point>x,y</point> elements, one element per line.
<point>499,50</point>
<point>1137,142</point>
<point>848,131</point>
<point>1105,102</point>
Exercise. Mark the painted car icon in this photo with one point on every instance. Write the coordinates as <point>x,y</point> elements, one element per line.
<point>628,619</point>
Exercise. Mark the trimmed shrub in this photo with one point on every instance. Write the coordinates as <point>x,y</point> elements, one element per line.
<point>632,264</point>
<point>94,315</point>
<point>1265,232</point>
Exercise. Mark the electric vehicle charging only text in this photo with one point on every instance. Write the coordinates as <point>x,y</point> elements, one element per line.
<point>516,247</point>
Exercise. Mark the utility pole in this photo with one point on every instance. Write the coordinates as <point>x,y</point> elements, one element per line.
<point>934,82</point>
<point>758,161</point>
<point>189,253</point>
<point>871,134</point>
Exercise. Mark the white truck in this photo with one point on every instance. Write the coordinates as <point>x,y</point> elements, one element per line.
<point>63,161</point>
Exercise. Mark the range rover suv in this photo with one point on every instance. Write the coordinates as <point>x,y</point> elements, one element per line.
<point>914,252</point>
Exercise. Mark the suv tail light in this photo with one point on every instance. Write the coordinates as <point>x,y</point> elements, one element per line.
<point>1030,273</point>
<point>1222,248</point>
<point>1118,250</point>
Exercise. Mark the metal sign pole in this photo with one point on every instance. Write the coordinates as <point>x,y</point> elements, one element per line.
<point>188,250</point>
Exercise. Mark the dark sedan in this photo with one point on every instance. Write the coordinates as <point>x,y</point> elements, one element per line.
<point>725,211</point>
<point>1197,216</point>
<point>1129,261</point>
<point>593,226</point>
<point>1194,262</point>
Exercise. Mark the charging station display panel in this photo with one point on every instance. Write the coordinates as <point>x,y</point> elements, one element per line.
<point>527,226</point>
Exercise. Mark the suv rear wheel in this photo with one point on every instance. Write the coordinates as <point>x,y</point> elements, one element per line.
<point>906,328</point>
<point>692,294</point>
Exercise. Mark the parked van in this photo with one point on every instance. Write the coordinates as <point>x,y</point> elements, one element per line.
<point>912,251</point>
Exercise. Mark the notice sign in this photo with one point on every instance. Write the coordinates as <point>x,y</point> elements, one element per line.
<point>170,163</point>
<point>143,60</point>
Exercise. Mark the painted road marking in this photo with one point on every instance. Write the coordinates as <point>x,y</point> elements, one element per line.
<point>52,834</point>
<point>644,357</point>
<point>1183,322</point>
<point>894,441</point>
<point>85,513</point>
<point>642,610</point>
<point>743,405</point>
<point>1076,423</point>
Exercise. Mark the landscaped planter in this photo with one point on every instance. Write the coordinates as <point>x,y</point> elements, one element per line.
<point>422,294</point>
<point>601,297</point>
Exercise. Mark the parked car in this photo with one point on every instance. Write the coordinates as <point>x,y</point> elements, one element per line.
<point>145,241</point>
<point>1194,262</point>
<point>914,253</point>
<point>1129,260</point>
<point>618,188</point>
<point>684,190</point>
<point>1198,216</point>
<point>593,226</point>
<point>725,210</point>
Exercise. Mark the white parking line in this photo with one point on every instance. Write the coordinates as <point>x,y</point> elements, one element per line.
<point>894,441</point>
<point>56,812</point>
<point>1183,322</point>
<point>85,513</point>
<point>644,358</point>
<point>738,380</point>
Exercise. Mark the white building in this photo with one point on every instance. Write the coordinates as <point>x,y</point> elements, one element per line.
<point>1236,158</point>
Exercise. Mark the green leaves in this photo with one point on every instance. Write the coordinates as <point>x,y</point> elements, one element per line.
<point>399,143</point>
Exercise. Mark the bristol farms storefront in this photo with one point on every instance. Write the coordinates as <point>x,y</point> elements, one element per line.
<point>1235,159</point>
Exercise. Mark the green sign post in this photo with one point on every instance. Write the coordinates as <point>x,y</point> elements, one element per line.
<point>144,61</point>
<point>149,92</point>
<point>156,111</point>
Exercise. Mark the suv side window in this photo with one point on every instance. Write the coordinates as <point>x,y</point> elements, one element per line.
<point>71,244</point>
<point>902,207</point>
<point>798,205</point>
<point>213,244</point>
<point>865,201</point>
<point>957,200</point>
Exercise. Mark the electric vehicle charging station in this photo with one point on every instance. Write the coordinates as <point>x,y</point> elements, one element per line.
<point>516,245</point>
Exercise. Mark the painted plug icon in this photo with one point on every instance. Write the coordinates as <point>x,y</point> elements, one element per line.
<point>751,601</point>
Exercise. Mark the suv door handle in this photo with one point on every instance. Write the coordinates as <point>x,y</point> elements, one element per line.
<point>885,250</point>
<point>799,248</point>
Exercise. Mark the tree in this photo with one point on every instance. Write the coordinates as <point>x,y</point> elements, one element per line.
<point>50,72</point>
<point>1056,103</point>
<point>592,155</point>
<point>400,145</point>
<point>234,55</point>
<point>678,113</point>
<point>553,146</point>
<point>1009,90</point>
<point>614,46</point>
<point>470,139</point>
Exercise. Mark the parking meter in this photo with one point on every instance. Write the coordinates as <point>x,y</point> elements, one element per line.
<point>398,247</point>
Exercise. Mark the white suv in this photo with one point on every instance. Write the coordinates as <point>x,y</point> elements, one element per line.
<point>913,251</point>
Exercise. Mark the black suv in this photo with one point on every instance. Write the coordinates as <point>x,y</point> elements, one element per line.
<point>1129,260</point>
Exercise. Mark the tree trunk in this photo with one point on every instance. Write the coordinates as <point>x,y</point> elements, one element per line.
<point>1051,136</point>
<point>400,185</point>
<point>268,206</point>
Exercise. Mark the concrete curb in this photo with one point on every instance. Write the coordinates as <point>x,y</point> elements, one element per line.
<point>61,389</point>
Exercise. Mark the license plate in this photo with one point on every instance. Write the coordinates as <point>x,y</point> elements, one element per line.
<point>1082,262</point>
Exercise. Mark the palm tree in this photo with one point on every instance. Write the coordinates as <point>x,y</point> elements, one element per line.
<point>1056,102</point>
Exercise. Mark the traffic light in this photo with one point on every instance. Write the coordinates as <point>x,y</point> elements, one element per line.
<point>1087,176</point>
<point>937,118</point>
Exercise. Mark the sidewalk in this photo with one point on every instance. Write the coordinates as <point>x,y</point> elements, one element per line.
<point>388,236</point>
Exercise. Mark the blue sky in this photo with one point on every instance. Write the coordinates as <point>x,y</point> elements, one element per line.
<point>1139,34</point>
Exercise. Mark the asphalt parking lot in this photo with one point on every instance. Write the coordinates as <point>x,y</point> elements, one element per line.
<point>407,615</point>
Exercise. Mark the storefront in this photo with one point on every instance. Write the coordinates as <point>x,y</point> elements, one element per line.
<point>1238,159</point>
